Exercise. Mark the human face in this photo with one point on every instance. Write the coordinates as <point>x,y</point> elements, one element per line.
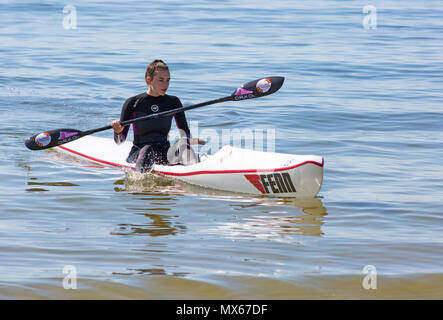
<point>159,84</point>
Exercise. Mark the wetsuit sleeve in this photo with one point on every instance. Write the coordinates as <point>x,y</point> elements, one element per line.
<point>125,115</point>
<point>181,122</point>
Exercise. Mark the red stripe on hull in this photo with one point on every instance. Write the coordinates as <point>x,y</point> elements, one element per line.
<point>240,171</point>
<point>95,159</point>
<point>197,172</point>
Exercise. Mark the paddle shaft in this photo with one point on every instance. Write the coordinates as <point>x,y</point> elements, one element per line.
<point>158,115</point>
<point>253,89</point>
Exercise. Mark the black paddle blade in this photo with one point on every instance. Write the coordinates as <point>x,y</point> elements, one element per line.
<point>258,88</point>
<point>52,138</point>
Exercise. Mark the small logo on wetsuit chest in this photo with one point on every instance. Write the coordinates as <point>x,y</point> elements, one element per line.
<point>154,108</point>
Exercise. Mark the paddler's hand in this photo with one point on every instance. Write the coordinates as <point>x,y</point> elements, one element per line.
<point>197,141</point>
<point>118,128</point>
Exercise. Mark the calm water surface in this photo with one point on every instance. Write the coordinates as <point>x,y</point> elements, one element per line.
<point>368,100</point>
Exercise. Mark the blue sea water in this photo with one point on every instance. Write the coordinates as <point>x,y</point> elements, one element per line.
<point>363,89</point>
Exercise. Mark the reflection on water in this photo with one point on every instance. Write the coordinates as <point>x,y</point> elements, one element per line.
<point>49,184</point>
<point>275,219</point>
<point>156,272</point>
<point>159,203</point>
<point>56,184</point>
<point>278,219</point>
<point>159,225</point>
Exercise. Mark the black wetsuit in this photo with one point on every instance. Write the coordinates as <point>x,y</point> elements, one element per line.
<point>154,132</point>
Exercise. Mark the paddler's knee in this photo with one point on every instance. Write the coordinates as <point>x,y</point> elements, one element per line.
<point>144,160</point>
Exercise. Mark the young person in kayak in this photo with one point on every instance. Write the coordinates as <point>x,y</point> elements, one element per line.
<point>151,143</point>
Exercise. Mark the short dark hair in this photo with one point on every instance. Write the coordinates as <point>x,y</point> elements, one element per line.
<point>154,66</point>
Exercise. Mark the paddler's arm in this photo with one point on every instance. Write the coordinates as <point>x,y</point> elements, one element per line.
<point>119,131</point>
